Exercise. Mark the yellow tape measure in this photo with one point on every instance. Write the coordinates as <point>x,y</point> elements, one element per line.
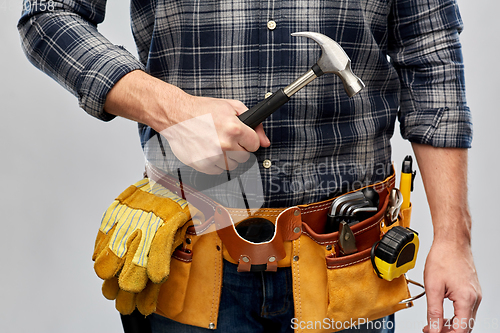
<point>395,254</point>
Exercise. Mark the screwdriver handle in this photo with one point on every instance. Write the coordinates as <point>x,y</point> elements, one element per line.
<point>256,114</point>
<point>406,182</point>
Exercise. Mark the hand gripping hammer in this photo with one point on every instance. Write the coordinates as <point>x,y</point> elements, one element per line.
<point>333,60</point>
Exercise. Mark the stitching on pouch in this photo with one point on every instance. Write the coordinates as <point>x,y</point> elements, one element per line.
<point>315,210</point>
<point>368,227</point>
<point>238,214</point>
<point>217,268</point>
<point>348,264</point>
<point>181,259</point>
<point>298,280</point>
<point>319,242</point>
<point>336,241</point>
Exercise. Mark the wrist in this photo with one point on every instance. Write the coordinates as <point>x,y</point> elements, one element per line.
<point>143,98</point>
<point>167,105</point>
<point>453,229</point>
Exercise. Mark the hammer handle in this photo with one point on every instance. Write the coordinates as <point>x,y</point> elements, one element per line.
<point>256,114</point>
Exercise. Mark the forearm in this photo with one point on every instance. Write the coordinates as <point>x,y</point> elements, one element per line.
<point>141,97</point>
<point>207,126</point>
<point>444,174</point>
<point>449,268</point>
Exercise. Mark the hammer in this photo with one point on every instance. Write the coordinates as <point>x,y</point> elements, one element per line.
<point>333,60</point>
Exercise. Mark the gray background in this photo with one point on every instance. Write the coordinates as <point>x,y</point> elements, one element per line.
<point>60,168</point>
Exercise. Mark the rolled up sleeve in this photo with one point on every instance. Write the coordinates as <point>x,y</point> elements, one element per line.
<point>425,50</point>
<point>63,41</point>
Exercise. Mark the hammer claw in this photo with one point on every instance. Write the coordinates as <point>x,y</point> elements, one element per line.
<point>334,60</point>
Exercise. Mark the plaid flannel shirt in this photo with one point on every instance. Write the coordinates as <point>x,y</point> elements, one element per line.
<point>407,52</point>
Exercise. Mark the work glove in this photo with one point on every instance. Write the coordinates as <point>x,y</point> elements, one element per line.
<point>134,244</point>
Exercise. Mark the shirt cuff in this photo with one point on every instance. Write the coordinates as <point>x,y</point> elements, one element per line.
<point>443,127</point>
<point>105,69</point>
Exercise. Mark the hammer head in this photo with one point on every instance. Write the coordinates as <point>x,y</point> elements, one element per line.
<point>334,60</point>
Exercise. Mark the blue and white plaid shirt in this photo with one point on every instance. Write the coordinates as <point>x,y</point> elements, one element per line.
<point>323,143</point>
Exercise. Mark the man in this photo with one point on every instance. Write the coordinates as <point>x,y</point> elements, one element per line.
<point>216,58</point>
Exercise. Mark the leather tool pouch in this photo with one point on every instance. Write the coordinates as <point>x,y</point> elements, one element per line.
<point>337,290</point>
<point>192,292</point>
<point>354,294</point>
<point>261,256</point>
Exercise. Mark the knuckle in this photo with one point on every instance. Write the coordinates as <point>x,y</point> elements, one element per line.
<point>469,297</point>
<point>234,129</point>
<point>474,297</point>
<point>479,298</point>
<point>225,145</point>
<point>434,313</point>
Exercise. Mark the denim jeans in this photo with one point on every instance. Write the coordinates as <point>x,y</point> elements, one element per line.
<point>260,302</point>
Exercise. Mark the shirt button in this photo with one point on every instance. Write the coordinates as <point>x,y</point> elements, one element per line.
<point>268,94</point>
<point>271,25</point>
<point>266,164</point>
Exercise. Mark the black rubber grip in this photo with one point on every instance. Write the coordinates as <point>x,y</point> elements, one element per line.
<point>255,115</point>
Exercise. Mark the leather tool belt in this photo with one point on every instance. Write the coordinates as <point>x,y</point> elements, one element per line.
<point>328,286</point>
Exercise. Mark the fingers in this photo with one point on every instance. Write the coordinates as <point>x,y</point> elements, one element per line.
<point>264,140</point>
<point>254,139</point>
<point>211,139</point>
<point>455,279</point>
<point>226,164</point>
<point>246,138</point>
<point>236,156</point>
<point>236,141</point>
<point>476,305</point>
<point>216,165</point>
<point>435,298</point>
<point>465,305</point>
<point>208,169</point>
<point>446,327</point>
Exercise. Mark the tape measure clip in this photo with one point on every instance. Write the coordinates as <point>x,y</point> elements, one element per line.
<point>396,253</point>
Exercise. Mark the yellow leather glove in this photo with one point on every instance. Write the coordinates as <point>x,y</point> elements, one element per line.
<point>137,236</point>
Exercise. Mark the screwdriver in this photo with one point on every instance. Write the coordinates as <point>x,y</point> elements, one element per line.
<point>406,183</point>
